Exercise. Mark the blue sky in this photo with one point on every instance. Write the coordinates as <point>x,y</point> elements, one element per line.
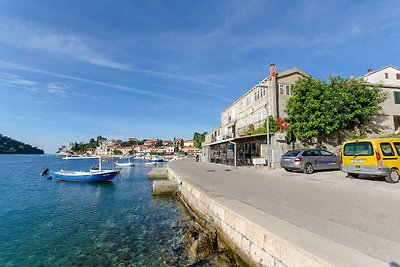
<point>72,70</point>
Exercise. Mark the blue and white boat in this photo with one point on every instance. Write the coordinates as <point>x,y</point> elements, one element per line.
<point>91,176</point>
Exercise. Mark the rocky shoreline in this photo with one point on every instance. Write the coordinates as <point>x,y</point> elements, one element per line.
<point>203,245</point>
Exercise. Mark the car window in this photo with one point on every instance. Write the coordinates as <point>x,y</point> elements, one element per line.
<point>387,149</point>
<point>397,146</point>
<point>315,152</point>
<point>358,149</point>
<point>311,153</point>
<point>326,153</point>
<point>292,153</point>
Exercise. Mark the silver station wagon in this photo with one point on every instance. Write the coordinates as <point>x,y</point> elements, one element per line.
<point>309,160</point>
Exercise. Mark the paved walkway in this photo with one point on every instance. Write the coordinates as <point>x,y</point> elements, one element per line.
<point>361,214</point>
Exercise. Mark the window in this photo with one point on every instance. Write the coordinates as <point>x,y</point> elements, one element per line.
<point>398,76</point>
<point>326,153</point>
<point>387,149</point>
<point>358,149</point>
<point>287,89</point>
<point>311,153</point>
<point>386,75</point>
<point>281,88</point>
<point>397,146</point>
<point>264,92</point>
<point>397,97</point>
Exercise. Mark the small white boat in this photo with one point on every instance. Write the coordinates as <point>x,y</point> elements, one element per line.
<point>125,164</point>
<point>156,159</point>
<point>150,163</point>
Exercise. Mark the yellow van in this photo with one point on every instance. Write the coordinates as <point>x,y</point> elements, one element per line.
<point>375,156</point>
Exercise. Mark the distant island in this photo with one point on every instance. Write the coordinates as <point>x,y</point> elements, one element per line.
<point>11,146</point>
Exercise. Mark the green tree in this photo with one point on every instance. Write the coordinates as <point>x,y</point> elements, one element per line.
<point>158,143</point>
<point>273,127</point>
<point>199,138</point>
<point>117,152</point>
<point>318,108</point>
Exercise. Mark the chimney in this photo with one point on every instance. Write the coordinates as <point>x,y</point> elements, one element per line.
<point>369,70</point>
<point>272,70</point>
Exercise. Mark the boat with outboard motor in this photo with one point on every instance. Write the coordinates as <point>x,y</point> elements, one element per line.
<point>86,176</point>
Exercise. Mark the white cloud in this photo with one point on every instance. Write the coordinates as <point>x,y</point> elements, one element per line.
<point>17,33</point>
<point>42,38</point>
<point>57,89</point>
<point>13,80</point>
<point>12,66</point>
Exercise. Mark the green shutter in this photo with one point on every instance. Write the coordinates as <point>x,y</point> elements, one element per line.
<point>397,97</point>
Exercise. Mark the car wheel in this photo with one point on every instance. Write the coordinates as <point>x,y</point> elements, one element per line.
<point>288,170</point>
<point>353,175</point>
<point>393,176</point>
<point>308,168</point>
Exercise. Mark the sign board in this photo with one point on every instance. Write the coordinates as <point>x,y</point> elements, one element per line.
<point>281,136</point>
<point>259,161</point>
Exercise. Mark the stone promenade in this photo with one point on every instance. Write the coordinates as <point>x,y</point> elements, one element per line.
<point>275,218</point>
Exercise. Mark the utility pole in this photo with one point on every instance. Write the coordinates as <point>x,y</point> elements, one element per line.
<point>266,106</point>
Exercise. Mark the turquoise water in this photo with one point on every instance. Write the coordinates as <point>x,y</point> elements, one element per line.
<point>50,223</point>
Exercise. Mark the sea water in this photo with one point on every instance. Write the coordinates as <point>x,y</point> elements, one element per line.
<point>45,222</point>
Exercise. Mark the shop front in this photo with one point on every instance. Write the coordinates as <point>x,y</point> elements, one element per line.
<point>247,149</point>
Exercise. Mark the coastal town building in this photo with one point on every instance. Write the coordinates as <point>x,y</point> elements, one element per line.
<point>188,143</point>
<point>229,142</point>
<point>388,79</point>
<point>178,143</point>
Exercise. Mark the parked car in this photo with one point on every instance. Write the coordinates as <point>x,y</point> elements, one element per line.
<point>308,160</point>
<point>374,156</point>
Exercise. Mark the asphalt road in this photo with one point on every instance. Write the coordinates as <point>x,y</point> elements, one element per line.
<point>363,214</point>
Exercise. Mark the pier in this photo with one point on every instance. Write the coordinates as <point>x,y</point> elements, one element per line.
<point>274,218</point>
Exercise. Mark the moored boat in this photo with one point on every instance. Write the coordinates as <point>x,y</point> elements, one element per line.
<point>156,159</point>
<point>90,176</point>
<point>97,175</point>
<point>125,164</point>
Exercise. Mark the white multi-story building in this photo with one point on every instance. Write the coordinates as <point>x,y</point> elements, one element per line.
<point>388,79</point>
<point>250,111</point>
<point>268,98</point>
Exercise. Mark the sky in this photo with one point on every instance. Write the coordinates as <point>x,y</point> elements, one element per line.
<point>73,70</point>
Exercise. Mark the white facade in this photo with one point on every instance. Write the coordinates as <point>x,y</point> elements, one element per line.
<point>388,78</point>
<point>267,98</point>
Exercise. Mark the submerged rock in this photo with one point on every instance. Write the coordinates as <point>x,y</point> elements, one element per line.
<point>202,247</point>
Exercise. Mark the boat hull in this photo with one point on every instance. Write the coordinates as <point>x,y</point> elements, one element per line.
<point>125,164</point>
<point>87,177</point>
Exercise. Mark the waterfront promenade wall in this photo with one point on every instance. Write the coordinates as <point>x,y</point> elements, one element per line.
<point>250,241</point>
<point>261,239</point>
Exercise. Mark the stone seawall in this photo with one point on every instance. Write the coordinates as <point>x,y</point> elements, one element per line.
<point>251,233</point>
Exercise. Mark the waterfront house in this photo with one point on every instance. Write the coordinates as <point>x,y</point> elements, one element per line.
<point>388,78</point>
<point>91,150</point>
<point>230,142</point>
<point>188,143</point>
<point>124,149</point>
